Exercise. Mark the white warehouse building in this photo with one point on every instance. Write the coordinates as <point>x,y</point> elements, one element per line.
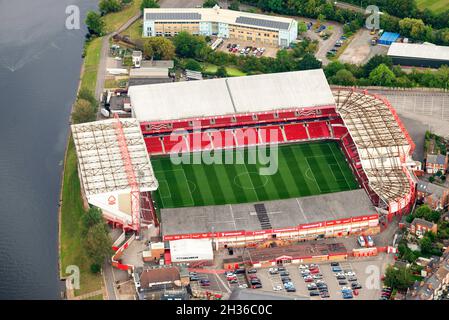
<point>223,23</point>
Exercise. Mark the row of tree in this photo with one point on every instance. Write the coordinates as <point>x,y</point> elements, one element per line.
<point>379,71</point>
<point>408,8</point>
<point>412,25</point>
<point>94,22</point>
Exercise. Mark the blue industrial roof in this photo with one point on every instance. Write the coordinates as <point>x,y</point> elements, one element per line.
<point>388,37</point>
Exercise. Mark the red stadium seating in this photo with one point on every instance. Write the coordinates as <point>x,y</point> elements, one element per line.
<point>222,139</point>
<point>246,137</point>
<point>175,143</point>
<point>295,132</point>
<point>318,130</point>
<point>271,134</point>
<point>154,145</point>
<point>199,141</point>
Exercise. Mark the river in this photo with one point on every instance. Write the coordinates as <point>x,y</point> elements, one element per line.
<point>40,61</point>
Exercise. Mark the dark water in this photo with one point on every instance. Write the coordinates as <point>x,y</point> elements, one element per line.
<point>39,70</point>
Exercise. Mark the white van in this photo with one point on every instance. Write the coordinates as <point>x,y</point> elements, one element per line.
<point>361,241</point>
<point>370,241</point>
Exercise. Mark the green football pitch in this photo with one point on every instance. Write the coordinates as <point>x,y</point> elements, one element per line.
<point>303,170</point>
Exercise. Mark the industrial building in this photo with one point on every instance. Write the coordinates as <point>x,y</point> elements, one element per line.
<point>229,24</point>
<point>419,55</point>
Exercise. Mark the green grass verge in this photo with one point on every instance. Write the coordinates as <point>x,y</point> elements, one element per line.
<point>303,170</point>
<point>72,252</point>
<point>436,6</point>
<point>232,71</point>
<point>115,20</point>
<point>91,62</point>
<point>134,32</point>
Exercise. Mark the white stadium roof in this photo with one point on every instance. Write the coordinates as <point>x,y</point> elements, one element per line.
<point>102,168</point>
<point>258,93</point>
<point>383,146</point>
<point>421,51</point>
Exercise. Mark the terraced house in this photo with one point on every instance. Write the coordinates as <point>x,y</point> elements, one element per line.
<point>228,24</point>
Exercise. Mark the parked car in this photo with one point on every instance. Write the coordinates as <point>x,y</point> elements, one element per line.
<point>355,292</point>
<point>318,276</point>
<point>314,293</point>
<point>281,269</point>
<point>308,279</point>
<point>234,281</point>
<point>243,286</point>
<point>286,279</point>
<point>229,273</point>
<point>303,267</point>
<point>239,271</point>
<point>335,264</point>
<point>324,294</point>
<point>273,271</point>
<point>277,288</point>
<point>194,278</point>
<point>315,271</point>
<point>356,285</point>
<point>336,269</point>
<point>290,289</point>
<point>352,278</point>
<point>343,282</point>
<point>250,271</point>
<point>341,278</point>
<point>284,273</point>
<point>256,286</point>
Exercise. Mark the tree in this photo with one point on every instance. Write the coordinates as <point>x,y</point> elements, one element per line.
<point>94,23</point>
<point>107,6</point>
<point>426,245</point>
<point>98,243</point>
<point>91,218</point>
<point>235,5</point>
<point>86,94</point>
<point>423,211</point>
<point>193,65</point>
<point>83,111</point>
<point>159,48</point>
<point>431,179</point>
<point>382,76</point>
<point>221,72</point>
<point>189,46</point>
<point>415,28</point>
<point>398,278</point>
<point>210,3</point>
<point>302,27</point>
<point>95,268</point>
<point>344,77</point>
<point>148,4</point>
<point>375,61</point>
<point>332,68</point>
<point>309,62</point>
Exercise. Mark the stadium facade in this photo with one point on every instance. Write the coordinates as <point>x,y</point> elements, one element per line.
<point>301,108</point>
<point>228,24</point>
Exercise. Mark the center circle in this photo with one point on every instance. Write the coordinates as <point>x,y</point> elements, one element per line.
<point>245,180</point>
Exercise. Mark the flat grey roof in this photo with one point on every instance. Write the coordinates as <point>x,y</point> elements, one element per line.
<point>422,51</point>
<point>219,97</point>
<point>172,16</point>
<point>282,213</point>
<point>263,23</point>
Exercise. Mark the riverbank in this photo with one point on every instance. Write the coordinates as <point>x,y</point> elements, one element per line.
<point>72,208</point>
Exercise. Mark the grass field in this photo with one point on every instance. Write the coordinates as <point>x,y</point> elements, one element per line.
<point>436,6</point>
<point>303,170</point>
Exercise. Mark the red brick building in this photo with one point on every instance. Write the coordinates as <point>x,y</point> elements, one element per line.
<point>436,162</point>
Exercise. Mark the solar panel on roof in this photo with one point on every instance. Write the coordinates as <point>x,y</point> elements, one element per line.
<point>262,23</point>
<point>173,16</point>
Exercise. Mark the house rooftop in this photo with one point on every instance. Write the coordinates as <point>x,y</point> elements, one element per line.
<point>436,159</point>
<point>422,222</point>
<point>431,188</point>
<point>149,277</point>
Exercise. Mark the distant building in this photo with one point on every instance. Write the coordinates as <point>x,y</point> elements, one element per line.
<point>435,196</point>
<point>155,282</point>
<point>256,28</point>
<point>434,285</point>
<point>420,226</point>
<point>419,55</point>
<point>436,162</point>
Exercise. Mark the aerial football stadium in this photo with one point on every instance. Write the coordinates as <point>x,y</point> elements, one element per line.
<point>245,159</point>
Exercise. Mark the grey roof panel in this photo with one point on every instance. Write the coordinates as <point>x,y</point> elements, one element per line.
<point>173,16</point>
<point>262,23</point>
